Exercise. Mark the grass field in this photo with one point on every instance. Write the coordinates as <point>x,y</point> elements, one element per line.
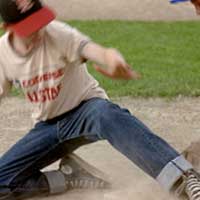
<point>166,53</point>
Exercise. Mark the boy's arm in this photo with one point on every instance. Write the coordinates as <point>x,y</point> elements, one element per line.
<point>108,61</point>
<point>5,84</point>
<point>4,89</point>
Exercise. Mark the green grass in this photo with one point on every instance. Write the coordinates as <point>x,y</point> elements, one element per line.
<point>1,32</point>
<point>166,53</point>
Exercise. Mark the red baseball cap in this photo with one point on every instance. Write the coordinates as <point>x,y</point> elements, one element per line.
<point>25,17</point>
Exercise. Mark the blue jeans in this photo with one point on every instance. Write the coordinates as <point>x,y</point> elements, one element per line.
<point>93,120</point>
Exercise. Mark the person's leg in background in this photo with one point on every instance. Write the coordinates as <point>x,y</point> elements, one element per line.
<point>192,154</point>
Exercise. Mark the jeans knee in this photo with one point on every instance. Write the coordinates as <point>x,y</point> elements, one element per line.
<point>113,111</point>
<point>106,117</point>
<point>110,115</point>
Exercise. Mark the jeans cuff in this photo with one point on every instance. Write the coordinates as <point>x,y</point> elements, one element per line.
<point>172,172</point>
<point>56,181</point>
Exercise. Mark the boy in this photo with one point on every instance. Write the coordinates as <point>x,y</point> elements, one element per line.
<point>48,58</point>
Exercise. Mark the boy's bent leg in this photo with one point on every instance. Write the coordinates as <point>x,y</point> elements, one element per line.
<point>131,137</point>
<point>20,175</point>
<point>20,167</point>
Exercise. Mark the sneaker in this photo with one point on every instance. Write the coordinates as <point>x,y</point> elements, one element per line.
<point>189,188</point>
<point>81,175</point>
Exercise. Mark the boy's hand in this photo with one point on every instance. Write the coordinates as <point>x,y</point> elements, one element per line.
<point>116,67</point>
<point>110,62</point>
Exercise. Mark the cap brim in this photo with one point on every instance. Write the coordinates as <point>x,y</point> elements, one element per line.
<point>178,1</point>
<point>33,22</point>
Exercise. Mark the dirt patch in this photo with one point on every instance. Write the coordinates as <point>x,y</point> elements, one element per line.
<point>177,121</point>
<point>123,10</point>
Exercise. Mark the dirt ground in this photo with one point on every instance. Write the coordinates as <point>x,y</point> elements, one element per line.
<point>122,9</point>
<point>177,121</point>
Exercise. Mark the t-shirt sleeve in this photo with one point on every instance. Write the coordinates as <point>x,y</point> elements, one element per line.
<point>71,41</point>
<point>5,84</point>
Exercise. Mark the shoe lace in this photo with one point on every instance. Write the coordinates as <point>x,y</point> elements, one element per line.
<point>192,187</point>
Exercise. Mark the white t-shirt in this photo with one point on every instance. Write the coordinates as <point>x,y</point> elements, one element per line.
<point>53,77</point>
